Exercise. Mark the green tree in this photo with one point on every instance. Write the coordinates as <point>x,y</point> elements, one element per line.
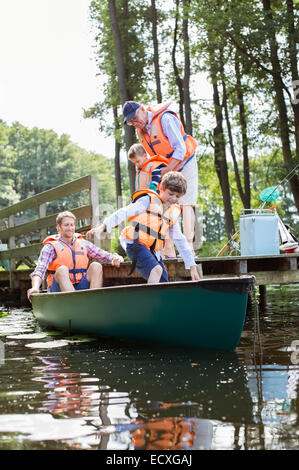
<point>121,56</point>
<point>8,194</point>
<point>35,160</point>
<point>265,33</point>
<point>42,159</point>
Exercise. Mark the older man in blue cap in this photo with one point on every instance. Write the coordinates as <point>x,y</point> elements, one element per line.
<point>161,132</point>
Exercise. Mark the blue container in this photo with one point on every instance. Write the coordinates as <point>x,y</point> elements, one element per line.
<point>259,233</point>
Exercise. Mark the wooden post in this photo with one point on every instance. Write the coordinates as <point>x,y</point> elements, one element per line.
<point>104,240</point>
<point>42,209</point>
<point>198,219</point>
<point>94,201</point>
<point>241,266</point>
<point>263,297</point>
<point>293,264</point>
<point>199,270</point>
<point>11,246</point>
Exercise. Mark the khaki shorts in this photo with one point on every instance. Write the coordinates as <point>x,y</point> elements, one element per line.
<point>190,171</point>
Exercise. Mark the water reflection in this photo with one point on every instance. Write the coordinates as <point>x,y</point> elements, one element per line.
<point>119,395</point>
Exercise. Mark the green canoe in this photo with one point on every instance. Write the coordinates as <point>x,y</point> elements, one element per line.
<point>209,313</point>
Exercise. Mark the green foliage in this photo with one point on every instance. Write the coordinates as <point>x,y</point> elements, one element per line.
<point>130,22</point>
<point>8,194</point>
<point>35,160</point>
<point>266,170</point>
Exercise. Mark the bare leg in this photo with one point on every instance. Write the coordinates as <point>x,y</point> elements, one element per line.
<point>155,275</point>
<point>63,279</point>
<point>95,275</point>
<point>189,224</point>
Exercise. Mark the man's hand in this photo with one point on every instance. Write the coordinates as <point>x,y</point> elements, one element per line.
<point>32,290</point>
<point>194,273</point>
<point>116,260</point>
<point>174,165</point>
<point>96,231</point>
<point>36,283</point>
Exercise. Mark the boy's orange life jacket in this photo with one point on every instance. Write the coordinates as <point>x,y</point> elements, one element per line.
<point>74,258</point>
<point>150,228</point>
<point>144,174</point>
<point>169,433</point>
<point>157,143</point>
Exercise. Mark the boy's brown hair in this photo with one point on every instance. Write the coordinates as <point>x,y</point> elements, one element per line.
<point>63,214</point>
<point>174,181</point>
<point>135,149</point>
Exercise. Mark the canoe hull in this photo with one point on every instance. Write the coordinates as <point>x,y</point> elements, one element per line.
<point>201,314</point>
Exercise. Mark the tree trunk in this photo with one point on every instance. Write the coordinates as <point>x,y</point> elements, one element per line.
<point>220,160</point>
<point>292,46</point>
<point>231,143</point>
<point>122,85</point>
<point>156,51</point>
<point>280,101</point>
<point>243,124</point>
<point>229,128</point>
<point>178,79</point>
<point>117,170</point>
<point>187,102</point>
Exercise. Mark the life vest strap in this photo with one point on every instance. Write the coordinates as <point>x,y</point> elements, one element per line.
<point>161,216</point>
<point>148,230</point>
<point>71,271</point>
<point>188,160</point>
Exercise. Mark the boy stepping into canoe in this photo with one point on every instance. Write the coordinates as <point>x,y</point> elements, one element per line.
<point>65,257</point>
<point>154,217</point>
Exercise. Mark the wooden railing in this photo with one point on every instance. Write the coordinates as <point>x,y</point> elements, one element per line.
<point>8,235</point>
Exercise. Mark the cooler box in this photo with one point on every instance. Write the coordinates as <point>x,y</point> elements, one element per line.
<point>259,234</point>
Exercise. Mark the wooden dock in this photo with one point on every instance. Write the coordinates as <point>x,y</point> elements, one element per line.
<point>280,269</point>
<point>24,242</point>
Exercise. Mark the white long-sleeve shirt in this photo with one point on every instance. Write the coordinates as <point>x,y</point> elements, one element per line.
<point>175,233</point>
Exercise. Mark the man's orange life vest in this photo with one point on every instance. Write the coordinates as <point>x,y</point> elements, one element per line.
<point>157,143</point>
<point>75,257</point>
<point>144,174</point>
<point>150,228</point>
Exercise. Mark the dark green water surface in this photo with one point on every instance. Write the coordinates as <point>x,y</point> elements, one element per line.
<point>117,395</point>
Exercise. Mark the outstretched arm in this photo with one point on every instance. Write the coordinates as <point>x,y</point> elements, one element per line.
<point>36,283</point>
<point>184,249</point>
<point>96,231</point>
<point>120,216</point>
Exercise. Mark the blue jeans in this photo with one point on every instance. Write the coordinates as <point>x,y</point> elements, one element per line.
<point>146,261</point>
<point>83,284</point>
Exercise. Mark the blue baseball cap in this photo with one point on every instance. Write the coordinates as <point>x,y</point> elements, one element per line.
<point>129,110</point>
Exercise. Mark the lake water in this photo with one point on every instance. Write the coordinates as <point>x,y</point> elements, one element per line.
<point>117,395</point>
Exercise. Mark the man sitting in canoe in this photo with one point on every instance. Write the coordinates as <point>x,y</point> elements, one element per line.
<point>153,216</point>
<point>65,257</point>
